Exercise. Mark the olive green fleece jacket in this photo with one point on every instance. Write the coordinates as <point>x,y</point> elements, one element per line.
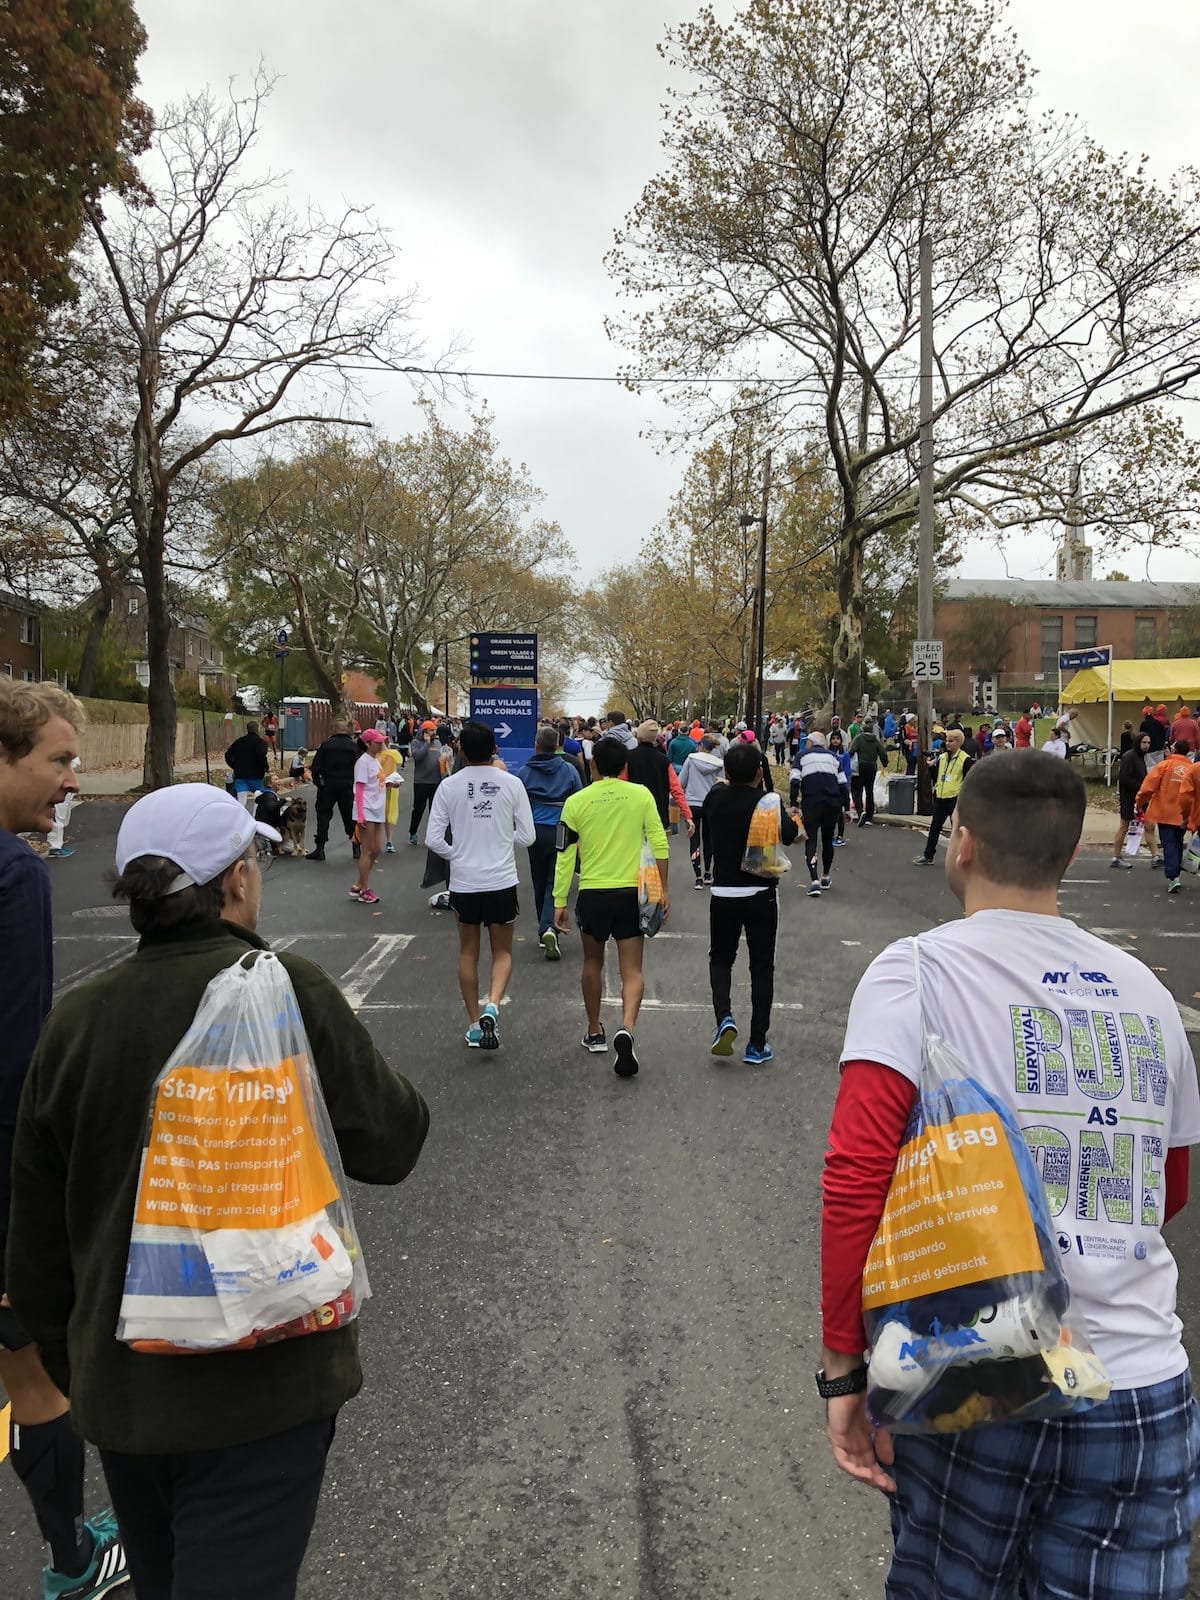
<point>75,1169</point>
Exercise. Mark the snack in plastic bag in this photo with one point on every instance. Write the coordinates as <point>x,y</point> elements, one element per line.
<point>242,1231</point>
<point>650,892</point>
<point>964,1295</point>
<point>764,855</point>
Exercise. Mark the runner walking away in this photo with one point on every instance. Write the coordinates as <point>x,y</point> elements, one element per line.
<point>214,1461</point>
<point>1170,798</point>
<point>333,773</point>
<point>1131,775</point>
<point>404,736</point>
<point>1187,728</point>
<point>868,748</point>
<point>39,726</point>
<point>603,827</point>
<point>741,903</point>
<point>426,754</point>
<point>842,758</point>
<point>487,813</point>
<point>247,759</point>
<point>679,748</point>
<point>823,796</point>
<point>1029,1507</point>
<point>700,771</point>
<point>779,740</point>
<point>370,808</point>
<point>549,781</point>
<point>388,756</point>
<point>949,772</point>
<point>1154,724</point>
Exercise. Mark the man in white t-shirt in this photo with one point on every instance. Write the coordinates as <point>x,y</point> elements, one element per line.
<point>487,813</point>
<point>1087,1049</point>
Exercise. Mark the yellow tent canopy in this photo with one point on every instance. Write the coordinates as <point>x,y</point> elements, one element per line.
<point>1155,680</point>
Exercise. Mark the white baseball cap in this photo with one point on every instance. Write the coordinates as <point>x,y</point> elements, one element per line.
<point>201,829</point>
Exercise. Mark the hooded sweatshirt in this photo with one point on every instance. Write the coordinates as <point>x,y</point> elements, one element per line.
<point>700,771</point>
<point>549,780</point>
<point>426,756</point>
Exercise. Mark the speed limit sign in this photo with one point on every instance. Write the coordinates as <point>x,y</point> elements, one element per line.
<point>928,661</point>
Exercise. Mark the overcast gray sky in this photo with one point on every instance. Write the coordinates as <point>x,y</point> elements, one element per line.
<point>503,140</point>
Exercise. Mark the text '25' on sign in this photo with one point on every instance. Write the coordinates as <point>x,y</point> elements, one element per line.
<point>928,661</point>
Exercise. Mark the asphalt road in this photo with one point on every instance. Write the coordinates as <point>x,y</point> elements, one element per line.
<point>589,1357</point>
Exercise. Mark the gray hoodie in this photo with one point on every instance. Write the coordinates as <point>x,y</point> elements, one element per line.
<point>698,774</point>
<point>425,754</point>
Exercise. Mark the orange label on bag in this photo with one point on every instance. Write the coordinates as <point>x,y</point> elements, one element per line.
<point>232,1149</point>
<point>956,1213</point>
<point>764,826</point>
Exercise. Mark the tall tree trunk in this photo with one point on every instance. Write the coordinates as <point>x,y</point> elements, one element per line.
<point>90,660</point>
<point>848,647</point>
<point>159,765</point>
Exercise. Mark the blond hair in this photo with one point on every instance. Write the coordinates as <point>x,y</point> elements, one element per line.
<point>27,707</point>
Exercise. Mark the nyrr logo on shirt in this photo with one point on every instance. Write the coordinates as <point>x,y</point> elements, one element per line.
<point>1072,981</point>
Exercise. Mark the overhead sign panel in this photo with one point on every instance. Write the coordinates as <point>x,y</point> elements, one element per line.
<point>1075,660</point>
<point>504,657</point>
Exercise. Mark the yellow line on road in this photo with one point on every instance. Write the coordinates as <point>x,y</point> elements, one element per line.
<point>4,1431</point>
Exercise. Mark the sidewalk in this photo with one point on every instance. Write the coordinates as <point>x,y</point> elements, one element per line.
<point>128,780</point>
<point>1099,826</point>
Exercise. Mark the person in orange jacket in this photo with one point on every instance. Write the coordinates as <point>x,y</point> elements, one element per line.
<point>1170,798</point>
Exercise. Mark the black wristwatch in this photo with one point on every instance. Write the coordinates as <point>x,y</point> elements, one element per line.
<point>850,1383</point>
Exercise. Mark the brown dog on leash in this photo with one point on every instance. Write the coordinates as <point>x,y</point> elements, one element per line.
<point>292,825</point>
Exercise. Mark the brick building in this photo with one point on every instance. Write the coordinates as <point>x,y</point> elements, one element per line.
<point>192,648</point>
<point>20,637</point>
<point>1047,616</point>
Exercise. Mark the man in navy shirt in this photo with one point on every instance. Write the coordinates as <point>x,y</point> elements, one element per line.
<point>38,746</point>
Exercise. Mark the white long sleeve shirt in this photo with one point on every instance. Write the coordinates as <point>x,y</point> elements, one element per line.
<point>488,814</point>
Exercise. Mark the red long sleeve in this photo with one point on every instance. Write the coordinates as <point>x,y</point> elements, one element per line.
<point>1176,1172</point>
<point>867,1130</point>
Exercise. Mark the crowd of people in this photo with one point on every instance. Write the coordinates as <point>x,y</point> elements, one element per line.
<point>215,1464</point>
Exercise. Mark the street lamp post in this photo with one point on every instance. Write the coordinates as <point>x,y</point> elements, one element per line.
<point>759,617</point>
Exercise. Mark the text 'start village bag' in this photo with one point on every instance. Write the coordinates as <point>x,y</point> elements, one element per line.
<point>964,1296</point>
<point>764,855</point>
<point>650,892</point>
<point>242,1231</point>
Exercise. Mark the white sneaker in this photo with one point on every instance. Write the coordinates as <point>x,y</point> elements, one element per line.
<point>902,1359</point>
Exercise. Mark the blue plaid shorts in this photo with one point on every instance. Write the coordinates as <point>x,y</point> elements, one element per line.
<point>1093,1507</point>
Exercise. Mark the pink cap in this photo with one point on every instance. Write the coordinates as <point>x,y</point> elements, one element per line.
<point>372,736</point>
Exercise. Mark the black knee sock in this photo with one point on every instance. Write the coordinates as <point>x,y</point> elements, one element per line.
<point>48,1459</point>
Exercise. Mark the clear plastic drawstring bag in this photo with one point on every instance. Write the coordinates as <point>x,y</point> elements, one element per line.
<point>242,1231</point>
<point>650,892</point>
<point>964,1296</point>
<point>764,855</point>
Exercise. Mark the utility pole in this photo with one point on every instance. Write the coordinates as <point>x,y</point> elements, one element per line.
<point>925,524</point>
<point>758,629</point>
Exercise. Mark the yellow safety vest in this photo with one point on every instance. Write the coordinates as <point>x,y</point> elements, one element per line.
<point>950,775</point>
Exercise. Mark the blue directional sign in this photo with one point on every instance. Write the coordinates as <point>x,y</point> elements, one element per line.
<point>511,713</point>
<point>1099,656</point>
<point>281,638</point>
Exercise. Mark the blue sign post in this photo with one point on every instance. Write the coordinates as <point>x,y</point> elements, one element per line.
<point>511,713</point>
<point>504,658</point>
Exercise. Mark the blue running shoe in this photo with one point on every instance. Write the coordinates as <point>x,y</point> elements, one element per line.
<point>757,1054</point>
<point>474,1036</point>
<point>722,1041</point>
<point>106,1571</point>
<point>489,1023</point>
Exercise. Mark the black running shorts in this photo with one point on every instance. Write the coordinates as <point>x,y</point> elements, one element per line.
<point>605,914</point>
<point>486,908</point>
